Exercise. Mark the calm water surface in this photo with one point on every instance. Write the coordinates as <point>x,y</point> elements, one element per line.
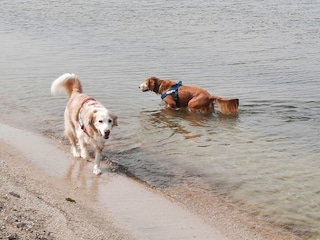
<point>267,53</point>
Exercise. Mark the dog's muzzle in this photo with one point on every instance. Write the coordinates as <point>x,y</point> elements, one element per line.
<point>143,87</point>
<point>106,134</point>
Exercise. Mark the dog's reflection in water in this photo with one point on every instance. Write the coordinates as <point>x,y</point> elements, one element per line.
<point>190,124</point>
<point>79,174</point>
<point>174,120</point>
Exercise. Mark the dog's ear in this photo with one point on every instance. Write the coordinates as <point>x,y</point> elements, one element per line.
<point>151,83</point>
<point>114,118</point>
<point>91,118</point>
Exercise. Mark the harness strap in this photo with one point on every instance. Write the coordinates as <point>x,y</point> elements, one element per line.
<point>79,116</point>
<point>174,92</point>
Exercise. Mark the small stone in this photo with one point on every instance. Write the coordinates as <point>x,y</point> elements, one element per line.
<point>21,225</point>
<point>14,194</point>
<point>12,237</point>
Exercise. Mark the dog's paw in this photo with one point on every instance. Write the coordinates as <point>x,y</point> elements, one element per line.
<point>85,154</point>
<point>96,170</point>
<point>75,152</point>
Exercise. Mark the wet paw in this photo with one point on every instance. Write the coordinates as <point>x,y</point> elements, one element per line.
<point>96,170</point>
<point>75,152</point>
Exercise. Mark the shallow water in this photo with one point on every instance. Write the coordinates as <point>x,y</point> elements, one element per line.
<point>265,53</point>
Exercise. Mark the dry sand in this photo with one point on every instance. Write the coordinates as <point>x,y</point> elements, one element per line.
<point>44,194</point>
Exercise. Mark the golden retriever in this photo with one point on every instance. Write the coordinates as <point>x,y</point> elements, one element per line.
<point>86,120</point>
<point>196,99</point>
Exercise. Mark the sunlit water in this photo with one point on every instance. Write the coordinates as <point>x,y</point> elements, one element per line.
<point>266,53</point>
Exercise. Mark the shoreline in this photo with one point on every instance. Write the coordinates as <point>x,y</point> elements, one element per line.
<point>114,205</point>
<point>33,205</point>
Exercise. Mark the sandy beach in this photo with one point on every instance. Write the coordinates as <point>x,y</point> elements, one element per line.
<point>45,194</point>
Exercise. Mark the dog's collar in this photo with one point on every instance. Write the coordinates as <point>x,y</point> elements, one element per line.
<point>79,115</point>
<point>173,91</point>
<point>86,100</point>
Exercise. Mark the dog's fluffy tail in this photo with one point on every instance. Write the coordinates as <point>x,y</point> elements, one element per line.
<point>226,105</point>
<point>69,82</point>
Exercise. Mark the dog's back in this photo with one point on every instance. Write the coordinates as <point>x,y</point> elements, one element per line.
<point>69,82</point>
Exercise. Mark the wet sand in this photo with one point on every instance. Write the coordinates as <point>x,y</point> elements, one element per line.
<point>46,194</point>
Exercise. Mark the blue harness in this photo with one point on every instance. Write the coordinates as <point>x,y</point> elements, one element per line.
<point>174,92</point>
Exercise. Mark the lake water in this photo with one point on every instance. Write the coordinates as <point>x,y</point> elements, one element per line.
<point>266,53</point>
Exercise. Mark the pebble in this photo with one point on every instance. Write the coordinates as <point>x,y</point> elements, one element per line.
<point>21,225</point>
<point>14,194</point>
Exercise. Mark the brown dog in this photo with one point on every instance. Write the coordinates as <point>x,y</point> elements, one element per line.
<point>86,120</point>
<point>196,99</point>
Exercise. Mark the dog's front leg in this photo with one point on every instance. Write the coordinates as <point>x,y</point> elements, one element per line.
<point>171,103</point>
<point>72,140</point>
<point>83,148</point>
<point>98,157</point>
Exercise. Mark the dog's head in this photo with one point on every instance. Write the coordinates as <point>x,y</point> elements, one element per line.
<point>150,84</point>
<point>103,121</point>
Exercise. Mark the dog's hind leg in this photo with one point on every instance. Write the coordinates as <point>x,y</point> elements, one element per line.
<point>201,104</point>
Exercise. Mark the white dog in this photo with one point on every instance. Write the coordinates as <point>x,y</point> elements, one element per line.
<point>86,120</point>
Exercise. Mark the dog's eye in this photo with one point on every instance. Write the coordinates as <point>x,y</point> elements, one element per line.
<point>100,121</point>
<point>110,121</point>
